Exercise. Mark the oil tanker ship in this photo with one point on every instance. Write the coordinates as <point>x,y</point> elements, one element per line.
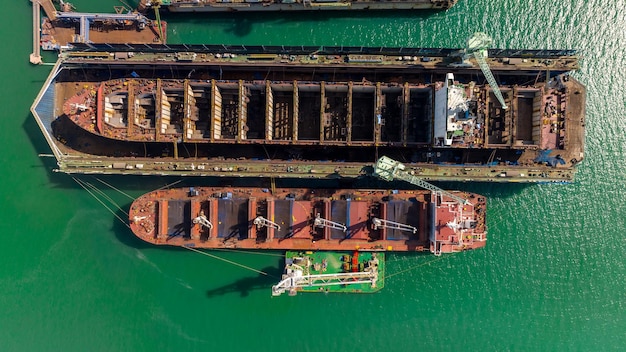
<point>313,112</point>
<point>311,219</point>
<point>292,5</point>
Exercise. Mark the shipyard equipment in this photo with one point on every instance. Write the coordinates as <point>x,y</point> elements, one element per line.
<point>389,169</point>
<point>477,47</point>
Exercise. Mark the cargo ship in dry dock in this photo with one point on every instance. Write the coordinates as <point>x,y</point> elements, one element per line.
<point>311,219</point>
<point>313,112</point>
<point>292,5</point>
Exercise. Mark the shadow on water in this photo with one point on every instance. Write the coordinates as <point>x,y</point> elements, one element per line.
<point>34,134</point>
<point>246,285</point>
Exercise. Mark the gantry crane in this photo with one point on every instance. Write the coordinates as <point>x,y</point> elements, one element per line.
<point>477,47</point>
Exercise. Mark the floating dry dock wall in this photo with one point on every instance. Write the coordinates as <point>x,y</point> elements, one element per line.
<point>293,5</point>
<point>312,112</point>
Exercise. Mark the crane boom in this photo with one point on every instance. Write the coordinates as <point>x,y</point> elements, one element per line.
<point>389,169</point>
<point>157,16</point>
<point>320,222</point>
<point>477,46</point>
<point>381,223</point>
<point>295,278</point>
<point>261,221</point>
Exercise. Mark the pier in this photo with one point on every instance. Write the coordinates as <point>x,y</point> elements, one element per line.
<point>35,56</point>
<point>64,27</point>
<point>86,18</point>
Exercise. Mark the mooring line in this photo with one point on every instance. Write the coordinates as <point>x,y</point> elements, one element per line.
<point>101,202</point>
<point>415,267</point>
<point>105,196</point>
<point>247,252</point>
<point>122,192</point>
<point>227,261</point>
<point>166,186</point>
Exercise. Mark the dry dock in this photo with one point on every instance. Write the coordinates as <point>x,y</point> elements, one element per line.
<point>293,5</point>
<point>539,139</point>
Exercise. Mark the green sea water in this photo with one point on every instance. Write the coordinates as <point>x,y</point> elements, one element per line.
<point>552,277</point>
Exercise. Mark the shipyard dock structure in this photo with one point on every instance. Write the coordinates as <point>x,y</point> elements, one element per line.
<point>313,112</point>
<point>292,5</point>
<point>64,26</point>
<point>311,219</point>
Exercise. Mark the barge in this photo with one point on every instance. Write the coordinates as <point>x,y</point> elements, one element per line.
<point>313,112</point>
<point>311,219</point>
<point>337,272</point>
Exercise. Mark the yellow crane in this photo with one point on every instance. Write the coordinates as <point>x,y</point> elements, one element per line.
<point>156,6</point>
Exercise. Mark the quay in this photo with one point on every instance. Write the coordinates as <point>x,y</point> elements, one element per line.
<point>60,28</point>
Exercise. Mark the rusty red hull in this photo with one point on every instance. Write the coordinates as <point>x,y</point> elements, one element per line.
<point>307,219</point>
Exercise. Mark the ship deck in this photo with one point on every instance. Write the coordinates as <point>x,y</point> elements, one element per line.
<point>329,263</point>
<point>305,220</point>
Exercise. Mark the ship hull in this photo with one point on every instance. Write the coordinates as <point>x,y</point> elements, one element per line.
<point>307,219</point>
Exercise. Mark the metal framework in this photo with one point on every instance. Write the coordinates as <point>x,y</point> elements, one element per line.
<point>321,222</point>
<point>381,223</point>
<point>260,221</point>
<point>202,220</point>
<point>477,46</point>
<point>295,278</point>
<point>389,169</point>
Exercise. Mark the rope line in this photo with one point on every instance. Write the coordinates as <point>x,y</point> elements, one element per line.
<point>101,202</point>
<point>105,196</point>
<point>122,192</point>
<point>247,252</point>
<point>415,267</point>
<point>227,261</point>
<point>166,186</point>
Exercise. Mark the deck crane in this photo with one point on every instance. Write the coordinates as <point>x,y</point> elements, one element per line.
<point>389,169</point>
<point>202,220</point>
<point>477,47</point>
<point>260,221</point>
<point>320,222</point>
<point>155,5</point>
